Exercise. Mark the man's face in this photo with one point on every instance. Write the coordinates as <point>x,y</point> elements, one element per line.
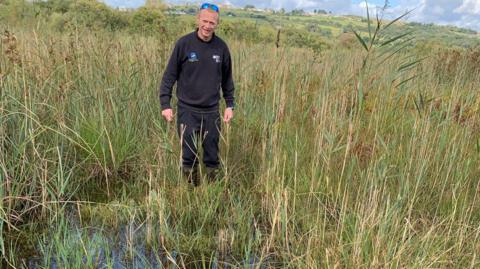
<point>207,21</point>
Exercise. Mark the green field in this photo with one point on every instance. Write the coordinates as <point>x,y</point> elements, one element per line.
<point>328,27</point>
<point>338,156</point>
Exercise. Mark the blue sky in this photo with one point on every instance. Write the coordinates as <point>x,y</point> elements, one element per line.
<point>463,13</point>
<point>377,2</point>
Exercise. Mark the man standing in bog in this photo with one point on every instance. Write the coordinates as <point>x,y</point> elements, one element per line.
<point>201,66</point>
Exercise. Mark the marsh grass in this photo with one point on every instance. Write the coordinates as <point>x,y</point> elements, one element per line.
<point>305,184</point>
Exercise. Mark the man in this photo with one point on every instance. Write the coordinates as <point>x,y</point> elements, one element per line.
<point>201,66</point>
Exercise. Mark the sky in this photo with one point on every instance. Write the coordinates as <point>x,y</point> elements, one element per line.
<point>462,13</point>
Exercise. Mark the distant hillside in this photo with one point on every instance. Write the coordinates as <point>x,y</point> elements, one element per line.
<point>330,26</point>
<point>296,28</point>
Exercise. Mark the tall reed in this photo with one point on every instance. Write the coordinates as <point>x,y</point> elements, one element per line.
<point>85,154</point>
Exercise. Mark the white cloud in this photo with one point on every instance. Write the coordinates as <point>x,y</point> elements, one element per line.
<point>471,7</point>
<point>462,13</point>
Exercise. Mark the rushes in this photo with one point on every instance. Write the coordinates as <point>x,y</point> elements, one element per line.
<point>306,184</point>
<point>10,44</point>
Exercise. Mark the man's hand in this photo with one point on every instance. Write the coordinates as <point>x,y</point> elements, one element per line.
<point>228,115</point>
<point>168,114</point>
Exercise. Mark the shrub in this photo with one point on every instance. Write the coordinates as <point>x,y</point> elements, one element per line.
<point>148,21</point>
<point>95,15</point>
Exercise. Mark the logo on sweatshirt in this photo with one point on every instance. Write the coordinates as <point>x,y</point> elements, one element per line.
<point>216,58</point>
<point>192,57</point>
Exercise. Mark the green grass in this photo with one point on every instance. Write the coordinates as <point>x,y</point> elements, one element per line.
<point>268,21</point>
<point>312,177</point>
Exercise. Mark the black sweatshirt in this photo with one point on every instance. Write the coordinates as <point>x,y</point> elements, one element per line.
<point>200,69</point>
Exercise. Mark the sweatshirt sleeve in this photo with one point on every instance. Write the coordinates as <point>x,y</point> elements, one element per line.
<point>170,76</point>
<point>228,87</point>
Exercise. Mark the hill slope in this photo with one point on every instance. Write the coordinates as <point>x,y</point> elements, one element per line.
<point>328,26</point>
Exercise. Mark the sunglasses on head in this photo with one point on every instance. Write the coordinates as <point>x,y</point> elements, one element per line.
<point>210,6</point>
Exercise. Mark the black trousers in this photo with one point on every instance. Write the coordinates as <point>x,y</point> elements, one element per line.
<point>198,128</point>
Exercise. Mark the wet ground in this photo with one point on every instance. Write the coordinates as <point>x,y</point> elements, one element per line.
<point>125,247</point>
